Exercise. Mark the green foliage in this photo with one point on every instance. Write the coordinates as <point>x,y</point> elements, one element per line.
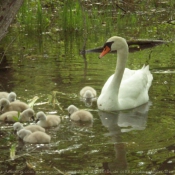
<point>32,18</point>
<point>13,151</point>
<point>72,16</point>
<point>52,99</point>
<point>16,118</point>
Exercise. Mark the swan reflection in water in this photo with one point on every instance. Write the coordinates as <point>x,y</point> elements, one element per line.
<point>118,123</point>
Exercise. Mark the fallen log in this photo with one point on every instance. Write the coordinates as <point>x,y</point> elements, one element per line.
<point>134,45</point>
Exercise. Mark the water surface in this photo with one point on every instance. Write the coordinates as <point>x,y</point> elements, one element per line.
<point>137,141</point>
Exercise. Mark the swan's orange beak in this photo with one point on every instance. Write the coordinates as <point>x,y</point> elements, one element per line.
<point>105,51</point>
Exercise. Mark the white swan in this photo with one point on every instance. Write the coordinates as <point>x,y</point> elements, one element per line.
<point>126,88</point>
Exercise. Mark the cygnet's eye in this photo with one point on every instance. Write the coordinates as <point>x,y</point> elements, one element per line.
<point>2,107</point>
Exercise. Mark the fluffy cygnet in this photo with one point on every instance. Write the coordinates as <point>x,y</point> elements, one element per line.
<point>88,95</point>
<point>47,121</point>
<point>24,116</point>
<point>79,115</point>
<point>5,105</point>
<point>18,126</point>
<point>88,92</point>
<point>10,96</point>
<point>34,137</point>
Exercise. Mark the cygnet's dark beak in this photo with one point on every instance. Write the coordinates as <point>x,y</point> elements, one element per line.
<point>87,101</point>
<point>1,109</point>
<point>36,120</point>
<point>15,131</point>
<point>33,118</point>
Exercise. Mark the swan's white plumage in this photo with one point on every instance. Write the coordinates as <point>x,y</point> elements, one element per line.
<point>126,88</point>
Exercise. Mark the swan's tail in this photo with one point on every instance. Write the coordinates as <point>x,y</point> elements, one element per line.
<point>149,75</point>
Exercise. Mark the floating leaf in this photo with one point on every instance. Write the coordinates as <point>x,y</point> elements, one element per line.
<point>31,104</point>
<point>29,165</point>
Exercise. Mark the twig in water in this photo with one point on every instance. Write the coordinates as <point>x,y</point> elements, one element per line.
<point>121,8</point>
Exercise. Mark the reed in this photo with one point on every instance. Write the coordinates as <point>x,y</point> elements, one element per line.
<point>72,17</point>
<point>32,18</point>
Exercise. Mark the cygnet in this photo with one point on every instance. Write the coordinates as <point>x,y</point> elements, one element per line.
<point>79,115</point>
<point>10,96</point>
<point>88,95</point>
<point>18,126</point>
<point>5,105</point>
<point>47,121</point>
<point>34,137</point>
<point>24,116</point>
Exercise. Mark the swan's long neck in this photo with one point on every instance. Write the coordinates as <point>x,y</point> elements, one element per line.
<point>122,56</point>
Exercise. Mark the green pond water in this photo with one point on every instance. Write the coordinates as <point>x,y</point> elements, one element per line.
<point>137,141</point>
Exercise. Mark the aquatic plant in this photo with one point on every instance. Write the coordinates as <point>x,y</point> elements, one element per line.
<point>16,118</point>
<point>12,151</point>
<point>52,99</point>
<point>32,18</point>
<point>33,101</point>
<point>72,16</point>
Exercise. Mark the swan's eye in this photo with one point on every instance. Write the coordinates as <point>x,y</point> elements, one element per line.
<point>108,44</point>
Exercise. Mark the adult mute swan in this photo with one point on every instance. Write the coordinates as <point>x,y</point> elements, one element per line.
<point>126,88</point>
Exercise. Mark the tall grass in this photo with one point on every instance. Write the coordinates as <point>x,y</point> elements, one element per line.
<point>32,18</point>
<point>42,16</point>
<point>72,17</point>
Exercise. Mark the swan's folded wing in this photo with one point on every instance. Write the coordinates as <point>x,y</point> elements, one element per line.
<point>127,74</point>
<point>134,86</point>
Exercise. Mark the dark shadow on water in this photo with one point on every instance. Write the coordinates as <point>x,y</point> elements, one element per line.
<point>118,123</point>
<point>6,75</point>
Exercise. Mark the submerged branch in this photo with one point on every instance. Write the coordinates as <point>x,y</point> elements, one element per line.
<point>134,45</point>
